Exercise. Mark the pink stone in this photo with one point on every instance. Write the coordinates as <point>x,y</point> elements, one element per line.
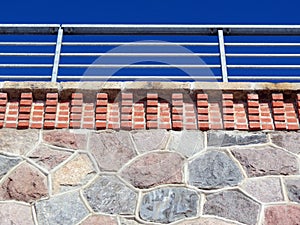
<point>282,215</point>
<point>100,220</point>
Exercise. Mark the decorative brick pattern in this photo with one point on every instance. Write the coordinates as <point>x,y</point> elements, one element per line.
<point>3,102</point>
<point>177,111</point>
<point>152,111</point>
<point>202,109</point>
<point>278,111</point>
<point>51,110</point>
<point>164,116</point>
<point>228,112</point>
<point>76,110</point>
<point>101,111</point>
<point>215,116</point>
<point>113,116</point>
<point>253,112</point>
<point>126,111</point>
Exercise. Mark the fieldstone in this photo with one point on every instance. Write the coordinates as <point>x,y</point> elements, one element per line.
<point>264,189</point>
<point>6,163</point>
<point>25,183</point>
<point>166,205</point>
<point>293,188</point>
<point>231,138</point>
<point>48,157</point>
<point>74,173</point>
<point>149,140</point>
<point>65,139</point>
<point>111,150</point>
<point>18,141</point>
<point>99,220</point>
<point>127,221</point>
<point>232,205</point>
<point>107,194</point>
<point>214,170</point>
<point>263,161</point>
<point>282,214</point>
<point>66,209</point>
<point>205,221</point>
<point>288,140</point>
<point>187,142</point>
<point>12,213</point>
<point>153,169</point>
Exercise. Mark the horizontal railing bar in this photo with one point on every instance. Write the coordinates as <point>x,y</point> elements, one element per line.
<point>71,77</point>
<point>265,66</point>
<point>261,55</point>
<point>138,43</point>
<point>263,44</point>
<point>135,66</point>
<point>27,43</point>
<point>26,65</point>
<point>143,54</point>
<point>25,77</point>
<point>271,77</point>
<point>28,54</point>
<point>29,28</point>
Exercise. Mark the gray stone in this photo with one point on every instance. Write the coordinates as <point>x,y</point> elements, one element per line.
<point>12,213</point>
<point>48,157</point>
<point>66,209</point>
<point>107,194</point>
<point>149,140</point>
<point>18,141</point>
<point>205,221</point>
<point>166,205</point>
<point>282,215</point>
<point>6,163</point>
<point>288,140</point>
<point>153,169</point>
<point>232,205</point>
<point>293,188</point>
<point>261,161</point>
<point>127,221</point>
<point>111,150</point>
<point>264,189</point>
<point>187,142</point>
<point>231,138</point>
<point>100,220</point>
<point>214,170</point>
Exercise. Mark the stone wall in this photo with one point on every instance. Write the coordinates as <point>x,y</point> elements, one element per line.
<point>157,176</point>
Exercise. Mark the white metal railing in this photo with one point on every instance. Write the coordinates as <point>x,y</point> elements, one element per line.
<point>223,56</point>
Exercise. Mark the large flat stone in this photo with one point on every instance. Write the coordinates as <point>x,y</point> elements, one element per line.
<point>66,209</point>
<point>149,140</point>
<point>264,189</point>
<point>18,141</point>
<point>12,213</point>
<point>111,150</point>
<point>48,157</point>
<point>231,138</point>
<point>186,142</point>
<point>282,215</point>
<point>108,194</point>
<point>293,188</point>
<point>213,170</point>
<point>232,205</point>
<point>166,205</point>
<point>288,140</point>
<point>153,169</point>
<point>73,174</point>
<point>127,221</point>
<point>205,221</point>
<point>25,183</point>
<point>100,220</point>
<point>6,163</point>
<point>262,161</point>
<point>65,139</point>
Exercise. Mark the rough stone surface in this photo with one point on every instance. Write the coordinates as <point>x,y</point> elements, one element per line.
<point>287,140</point>
<point>65,139</point>
<point>282,214</point>
<point>230,138</point>
<point>232,205</point>
<point>125,221</point>
<point>265,161</point>
<point>6,163</point>
<point>111,150</point>
<point>73,174</point>
<point>18,141</point>
<point>187,143</point>
<point>149,140</point>
<point>99,220</point>
<point>107,194</point>
<point>25,183</point>
<point>15,214</point>
<point>153,169</point>
<point>293,188</point>
<point>66,209</point>
<point>47,157</point>
<point>264,189</point>
<point>214,170</point>
<point>165,205</point>
<point>205,221</point>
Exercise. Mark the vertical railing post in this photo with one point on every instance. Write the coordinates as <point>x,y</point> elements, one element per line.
<point>222,56</point>
<point>57,55</point>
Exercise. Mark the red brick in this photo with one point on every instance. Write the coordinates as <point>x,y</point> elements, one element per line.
<point>151,110</point>
<point>177,110</point>
<point>139,119</point>
<point>49,124</point>
<point>126,124</point>
<point>76,102</point>
<point>61,125</point>
<point>152,124</point>
<point>75,124</point>
<point>203,125</point>
<point>126,117</point>
<point>227,96</point>
<point>152,102</point>
<point>11,125</point>
<point>177,103</point>
<point>138,114</point>
<point>177,117</point>
<point>88,114</point>
<point>152,96</point>
<point>3,95</point>
<point>152,117</point>
<point>25,102</point>
<point>277,104</point>
<point>100,116</point>
<point>202,117</point>
<point>267,127</point>
<point>177,125</point>
<point>100,124</point>
<point>114,126</point>
<point>102,102</point>
<point>228,125</point>
<point>227,103</point>
<point>216,126</point>
<point>253,104</point>
<point>252,96</point>
<point>277,96</point>
<point>202,96</point>
<point>101,110</point>
<point>254,125</point>
<point>166,126</point>
<point>202,103</point>
<point>36,125</point>
<point>292,127</point>
<point>50,109</point>
<point>140,126</point>
<point>280,126</point>
<point>127,96</point>
<point>202,110</point>
<point>25,109</point>
<point>23,124</point>
<point>88,126</point>
<point>77,96</point>
<point>279,118</point>
<point>242,126</point>
<point>177,96</point>
<point>102,96</point>
<point>52,95</point>
<point>228,110</point>
<point>75,117</point>
<point>190,126</point>
<point>26,95</point>
<point>63,119</point>
<point>253,111</point>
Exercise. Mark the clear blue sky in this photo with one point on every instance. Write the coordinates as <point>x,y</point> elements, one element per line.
<point>151,11</point>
